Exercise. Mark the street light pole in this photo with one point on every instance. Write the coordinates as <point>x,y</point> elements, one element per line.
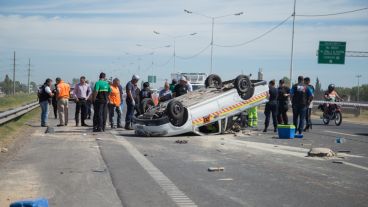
<point>292,48</point>
<point>358,76</point>
<point>213,25</point>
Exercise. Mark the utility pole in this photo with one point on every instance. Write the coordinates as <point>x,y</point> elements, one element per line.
<point>292,48</point>
<point>358,76</point>
<point>29,75</point>
<point>14,74</point>
<point>213,25</point>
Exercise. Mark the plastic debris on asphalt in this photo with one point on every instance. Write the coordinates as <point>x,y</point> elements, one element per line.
<point>321,152</point>
<point>340,140</point>
<point>4,150</point>
<point>216,169</point>
<point>181,141</point>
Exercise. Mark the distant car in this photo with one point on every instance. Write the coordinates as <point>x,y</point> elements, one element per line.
<point>204,110</point>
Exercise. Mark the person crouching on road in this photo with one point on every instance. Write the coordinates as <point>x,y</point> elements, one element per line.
<point>253,117</point>
<point>165,94</point>
<point>44,97</point>
<point>300,95</point>
<point>131,96</point>
<point>63,93</point>
<point>100,98</point>
<point>271,107</point>
<point>82,92</point>
<point>114,103</point>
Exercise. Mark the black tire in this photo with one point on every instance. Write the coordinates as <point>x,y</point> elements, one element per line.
<point>244,87</point>
<point>338,118</point>
<point>177,113</point>
<point>146,104</point>
<point>325,120</point>
<point>213,81</point>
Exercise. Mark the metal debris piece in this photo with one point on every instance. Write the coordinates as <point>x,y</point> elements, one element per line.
<point>216,169</point>
<point>344,151</point>
<point>99,170</point>
<point>338,162</point>
<point>321,152</point>
<point>181,141</point>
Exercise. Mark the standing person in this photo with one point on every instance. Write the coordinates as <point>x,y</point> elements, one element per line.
<point>82,92</point>
<point>54,101</point>
<point>300,94</point>
<point>89,103</point>
<point>308,119</point>
<point>173,84</point>
<point>63,93</point>
<point>253,117</point>
<point>283,103</point>
<point>44,97</point>
<point>145,92</point>
<point>271,106</point>
<point>100,98</point>
<point>131,96</point>
<point>165,94</point>
<point>114,103</point>
<point>181,88</point>
<point>121,90</point>
<point>189,85</point>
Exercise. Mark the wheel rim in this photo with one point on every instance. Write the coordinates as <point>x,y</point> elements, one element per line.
<point>337,118</point>
<point>177,109</point>
<point>243,84</point>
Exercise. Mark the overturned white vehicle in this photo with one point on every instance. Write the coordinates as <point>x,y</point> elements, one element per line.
<point>210,107</point>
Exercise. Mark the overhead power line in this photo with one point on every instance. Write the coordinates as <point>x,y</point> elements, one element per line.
<point>331,14</point>
<point>258,37</point>
<point>166,62</point>
<point>195,55</point>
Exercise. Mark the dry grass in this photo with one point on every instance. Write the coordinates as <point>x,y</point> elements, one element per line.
<point>8,102</point>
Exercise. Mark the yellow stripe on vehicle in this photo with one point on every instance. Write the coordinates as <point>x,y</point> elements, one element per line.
<point>230,109</point>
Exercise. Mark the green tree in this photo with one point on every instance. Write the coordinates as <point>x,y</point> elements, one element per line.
<point>7,85</point>
<point>318,92</point>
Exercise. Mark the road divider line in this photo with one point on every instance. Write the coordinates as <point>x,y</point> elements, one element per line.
<point>160,178</point>
<point>341,133</point>
<point>355,165</point>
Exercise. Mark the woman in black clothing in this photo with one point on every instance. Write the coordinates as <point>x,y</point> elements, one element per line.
<point>54,101</point>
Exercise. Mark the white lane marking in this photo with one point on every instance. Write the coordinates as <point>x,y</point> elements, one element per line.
<point>164,182</point>
<point>353,135</point>
<point>355,165</point>
<point>225,179</point>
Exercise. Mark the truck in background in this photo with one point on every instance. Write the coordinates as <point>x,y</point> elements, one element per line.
<point>196,79</point>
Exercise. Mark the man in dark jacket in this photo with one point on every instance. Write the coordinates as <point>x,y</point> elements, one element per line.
<point>300,97</point>
<point>44,97</point>
<point>308,119</point>
<point>271,106</point>
<point>282,102</point>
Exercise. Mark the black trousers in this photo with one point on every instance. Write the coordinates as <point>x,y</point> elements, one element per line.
<point>271,108</point>
<point>112,109</point>
<point>54,106</point>
<point>308,120</point>
<point>81,108</point>
<point>100,115</point>
<point>282,117</point>
<point>89,108</point>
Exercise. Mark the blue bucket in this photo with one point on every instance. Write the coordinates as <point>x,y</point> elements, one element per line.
<point>40,202</point>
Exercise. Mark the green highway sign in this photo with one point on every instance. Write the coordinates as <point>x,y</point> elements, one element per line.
<point>331,52</point>
<point>152,79</point>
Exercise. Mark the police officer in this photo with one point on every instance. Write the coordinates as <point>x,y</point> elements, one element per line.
<point>271,106</point>
<point>282,102</point>
<point>100,99</point>
<point>131,97</point>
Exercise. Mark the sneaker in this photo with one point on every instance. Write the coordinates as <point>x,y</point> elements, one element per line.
<point>265,130</point>
<point>85,125</point>
<point>60,125</point>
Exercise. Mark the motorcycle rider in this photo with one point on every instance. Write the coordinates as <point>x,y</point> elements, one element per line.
<point>331,96</point>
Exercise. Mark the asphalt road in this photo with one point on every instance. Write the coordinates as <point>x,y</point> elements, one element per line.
<point>75,167</point>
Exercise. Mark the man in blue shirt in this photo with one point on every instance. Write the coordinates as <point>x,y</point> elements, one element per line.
<point>300,98</point>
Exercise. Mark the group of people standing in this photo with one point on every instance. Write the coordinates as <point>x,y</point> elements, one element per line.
<point>301,96</point>
<point>106,98</point>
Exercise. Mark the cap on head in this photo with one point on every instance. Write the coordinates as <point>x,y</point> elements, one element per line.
<point>135,77</point>
<point>58,79</point>
<point>281,81</point>
<point>182,78</point>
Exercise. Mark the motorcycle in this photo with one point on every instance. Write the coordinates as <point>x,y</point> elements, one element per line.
<point>331,112</point>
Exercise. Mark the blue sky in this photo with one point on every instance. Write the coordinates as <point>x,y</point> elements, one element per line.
<point>83,37</point>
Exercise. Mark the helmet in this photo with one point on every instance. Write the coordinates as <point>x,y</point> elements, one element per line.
<point>182,78</point>
<point>146,85</point>
<point>331,87</point>
<point>135,77</point>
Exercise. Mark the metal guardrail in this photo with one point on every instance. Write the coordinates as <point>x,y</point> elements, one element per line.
<point>342,103</point>
<point>14,113</point>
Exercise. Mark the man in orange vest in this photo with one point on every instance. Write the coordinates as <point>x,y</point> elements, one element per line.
<point>63,93</point>
<point>114,103</point>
